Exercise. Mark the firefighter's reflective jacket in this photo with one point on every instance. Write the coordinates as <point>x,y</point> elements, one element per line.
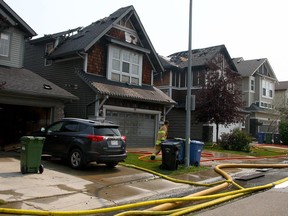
<point>162,134</point>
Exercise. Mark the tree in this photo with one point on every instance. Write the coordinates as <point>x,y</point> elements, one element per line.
<point>219,100</point>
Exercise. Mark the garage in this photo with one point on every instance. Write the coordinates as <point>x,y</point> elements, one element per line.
<point>139,128</point>
<point>17,121</point>
<point>27,102</point>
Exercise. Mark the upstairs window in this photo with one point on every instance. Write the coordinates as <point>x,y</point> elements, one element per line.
<point>4,44</point>
<point>267,89</point>
<point>124,66</point>
<point>48,50</point>
<point>252,84</point>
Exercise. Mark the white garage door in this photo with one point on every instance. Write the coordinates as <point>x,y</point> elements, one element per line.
<point>139,128</point>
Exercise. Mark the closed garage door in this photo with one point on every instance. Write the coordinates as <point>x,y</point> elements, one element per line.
<point>139,128</point>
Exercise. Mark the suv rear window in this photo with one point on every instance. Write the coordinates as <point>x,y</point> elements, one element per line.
<point>106,131</point>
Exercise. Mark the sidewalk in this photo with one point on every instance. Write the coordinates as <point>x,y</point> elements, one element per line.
<point>58,190</point>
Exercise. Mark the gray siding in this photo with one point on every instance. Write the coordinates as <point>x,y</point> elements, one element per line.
<point>16,52</point>
<point>64,75</point>
<point>177,119</point>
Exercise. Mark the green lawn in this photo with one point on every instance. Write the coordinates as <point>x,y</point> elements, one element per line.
<point>142,160</point>
<point>255,151</point>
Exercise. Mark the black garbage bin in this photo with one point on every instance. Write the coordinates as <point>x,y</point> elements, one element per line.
<point>276,138</point>
<point>170,154</point>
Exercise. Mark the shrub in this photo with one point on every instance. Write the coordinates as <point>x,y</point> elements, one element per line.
<point>283,131</point>
<point>237,140</point>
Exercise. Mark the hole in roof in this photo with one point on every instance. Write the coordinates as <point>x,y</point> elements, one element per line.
<point>78,36</point>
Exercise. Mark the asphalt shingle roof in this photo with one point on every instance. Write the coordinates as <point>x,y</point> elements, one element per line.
<point>248,67</point>
<point>15,20</point>
<point>25,82</point>
<point>281,85</point>
<point>145,93</point>
<point>200,57</point>
<point>82,39</point>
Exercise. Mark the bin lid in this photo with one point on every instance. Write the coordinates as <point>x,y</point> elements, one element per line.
<point>170,143</point>
<point>196,142</point>
<point>40,138</point>
<point>23,138</point>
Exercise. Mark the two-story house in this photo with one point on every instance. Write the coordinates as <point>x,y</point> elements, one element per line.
<point>258,87</point>
<point>109,66</point>
<point>27,100</point>
<point>174,83</point>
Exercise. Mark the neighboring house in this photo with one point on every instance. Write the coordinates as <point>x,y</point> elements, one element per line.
<point>281,95</point>
<point>258,87</point>
<point>109,65</point>
<point>173,81</point>
<point>27,101</point>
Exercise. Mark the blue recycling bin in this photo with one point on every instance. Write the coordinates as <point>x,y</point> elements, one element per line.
<point>196,148</point>
<point>261,137</point>
<point>181,154</point>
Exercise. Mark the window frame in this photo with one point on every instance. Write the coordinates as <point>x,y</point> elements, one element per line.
<point>124,61</point>
<point>252,84</point>
<point>267,89</point>
<point>48,49</point>
<point>6,51</point>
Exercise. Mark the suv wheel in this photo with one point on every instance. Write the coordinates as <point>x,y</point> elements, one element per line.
<point>111,164</point>
<point>76,158</point>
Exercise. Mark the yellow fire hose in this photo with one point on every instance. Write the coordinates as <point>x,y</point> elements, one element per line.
<point>164,205</point>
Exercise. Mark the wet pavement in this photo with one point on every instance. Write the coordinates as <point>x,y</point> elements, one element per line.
<point>61,188</point>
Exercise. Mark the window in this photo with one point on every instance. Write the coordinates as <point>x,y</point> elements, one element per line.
<point>48,50</point>
<point>124,66</point>
<point>4,44</point>
<point>175,79</point>
<point>267,89</point>
<point>252,84</point>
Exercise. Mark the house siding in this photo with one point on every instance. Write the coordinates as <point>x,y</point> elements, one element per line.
<point>16,51</point>
<point>63,74</point>
<point>97,59</point>
<point>177,125</point>
<point>281,98</point>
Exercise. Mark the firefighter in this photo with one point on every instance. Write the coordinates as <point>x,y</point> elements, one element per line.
<point>161,136</point>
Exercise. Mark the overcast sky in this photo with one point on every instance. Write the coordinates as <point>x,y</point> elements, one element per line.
<point>250,29</point>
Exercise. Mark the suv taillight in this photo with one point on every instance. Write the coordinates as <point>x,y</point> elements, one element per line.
<point>96,138</point>
<point>123,138</point>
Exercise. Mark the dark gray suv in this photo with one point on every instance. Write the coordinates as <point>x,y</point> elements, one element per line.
<point>82,141</point>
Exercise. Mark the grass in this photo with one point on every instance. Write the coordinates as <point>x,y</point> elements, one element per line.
<point>254,151</point>
<point>143,160</point>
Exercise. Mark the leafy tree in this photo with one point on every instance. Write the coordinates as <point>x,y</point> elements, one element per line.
<point>219,100</point>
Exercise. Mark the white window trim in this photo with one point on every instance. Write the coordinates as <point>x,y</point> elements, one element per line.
<point>250,84</point>
<point>269,87</point>
<point>110,57</point>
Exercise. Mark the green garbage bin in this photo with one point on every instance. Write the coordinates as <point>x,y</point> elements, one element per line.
<point>268,138</point>
<point>31,152</point>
